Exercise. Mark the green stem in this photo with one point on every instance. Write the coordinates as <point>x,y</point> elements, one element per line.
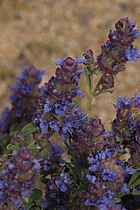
<point>92,95</point>
<point>88,104</point>
<point>67,145</point>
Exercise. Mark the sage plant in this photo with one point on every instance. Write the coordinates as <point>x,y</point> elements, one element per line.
<point>63,159</point>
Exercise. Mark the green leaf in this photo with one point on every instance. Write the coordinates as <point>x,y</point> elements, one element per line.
<point>119,139</point>
<point>71,153</point>
<point>13,133</point>
<point>135,192</point>
<point>117,200</point>
<point>135,179</point>
<point>37,194</point>
<point>28,130</point>
<point>12,147</point>
<point>32,145</point>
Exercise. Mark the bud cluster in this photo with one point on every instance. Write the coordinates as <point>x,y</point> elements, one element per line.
<point>57,192</point>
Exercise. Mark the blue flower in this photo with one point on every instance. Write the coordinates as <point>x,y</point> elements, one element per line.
<point>6,113</point>
<point>132,54</point>
<point>95,167</point>
<point>11,166</point>
<point>25,89</point>
<point>54,125</point>
<point>137,98</point>
<point>66,179</point>
<point>129,170</point>
<point>47,106</point>
<point>89,202</point>
<point>45,204</point>
<point>4,171</point>
<point>132,24</point>
<point>63,181</point>
<point>47,164</point>
<point>110,193</point>
<point>15,99</point>
<point>104,154</point>
<point>1,195</point>
<point>135,34</point>
<point>108,175</point>
<point>123,101</point>
<point>1,184</point>
<point>125,188</point>
<point>36,165</point>
<point>67,126</point>
<point>91,178</point>
<point>25,193</point>
<point>65,136</point>
<point>104,200</point>
<point>43,126</point>
<point>39,75</point>
<point>92,160</point>
<point>59,62</point>
<point>56,148</point>
<point>80,60</point>
<point>79,93</point>
<point>79,70</point>
<point>59,109</point>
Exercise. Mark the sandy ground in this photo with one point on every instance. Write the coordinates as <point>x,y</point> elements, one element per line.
<point>40,31</point>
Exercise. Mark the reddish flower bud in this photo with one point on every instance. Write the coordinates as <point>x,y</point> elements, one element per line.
<point>107,81</point>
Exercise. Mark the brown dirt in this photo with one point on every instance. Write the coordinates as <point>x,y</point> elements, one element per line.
<point>40,31</point>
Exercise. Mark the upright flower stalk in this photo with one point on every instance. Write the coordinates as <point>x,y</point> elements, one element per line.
<point>115,53</point>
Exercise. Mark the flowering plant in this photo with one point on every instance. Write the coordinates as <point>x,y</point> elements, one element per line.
<point>53,155</point>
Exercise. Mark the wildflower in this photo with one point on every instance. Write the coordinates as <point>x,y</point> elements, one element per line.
<point>108,175</point>
<point>132,54</point>
<point>43,126</point>
<point>119,49</point>
<point>47,106</point>
<point>54,158</point>
<point>125,188</point>
<point>89,202</point>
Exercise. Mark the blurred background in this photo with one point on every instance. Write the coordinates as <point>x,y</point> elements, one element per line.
<point>40,31</point>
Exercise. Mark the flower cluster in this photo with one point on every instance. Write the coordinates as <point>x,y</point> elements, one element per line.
<point>94,170</point>
<point>107,173</point>
<point>57,193</point>
<point>127,125</point>
<point>57,110</point>
<point>24,97</point>
<point>53,160</point>
<point>117,51</point>
<point>84,140</point>
<point>17,179</point>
